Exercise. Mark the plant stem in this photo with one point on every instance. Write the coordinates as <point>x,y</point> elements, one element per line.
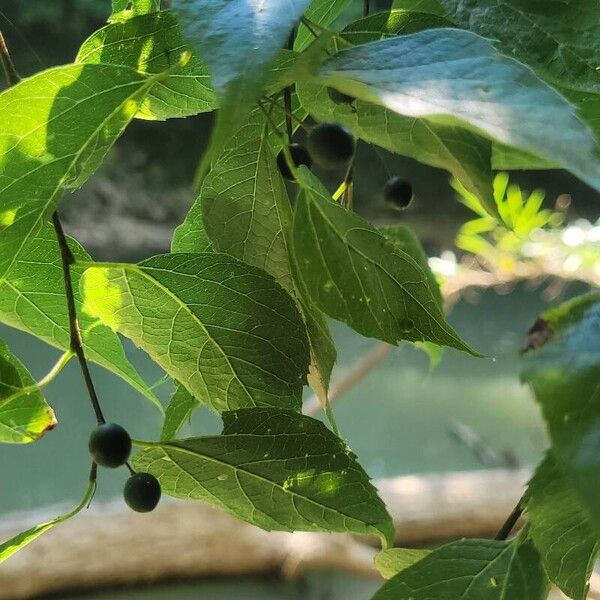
<point>12,77</point>
<point>366,7</point>
<point>287,92</point>
<point>288,113</point>
<point>56,369</point>
<point>67,259</point>
<point>510,522</point>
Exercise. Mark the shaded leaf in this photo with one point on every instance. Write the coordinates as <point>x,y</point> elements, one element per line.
<point>225,330</point>
<point>41,151</point>
<point>276,469</point>
<point>433,7</point>
<point>471,570</point>
<point>355,275</point>
<point>562,366</point>
<point>32,299</point>
<point>178,412</point>
<point>24,414</point>
<point>153,43</point>
<point>321,12</point>
<point>559,526</point>
<point>456,76</point>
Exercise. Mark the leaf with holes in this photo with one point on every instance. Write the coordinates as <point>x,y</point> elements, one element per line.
<point>225,330</point>
<point>276,469</point>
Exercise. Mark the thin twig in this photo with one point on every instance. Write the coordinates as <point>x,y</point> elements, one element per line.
<point>76,344</point>
<point>510,522</point>
<point>289,114</point>
<point>366,7</point>
<point>10,72</point>
<point>287,92</point>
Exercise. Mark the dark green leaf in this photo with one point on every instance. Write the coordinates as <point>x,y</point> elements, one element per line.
<point>276,469</point>
<point>457,76</point>
<point>321,12</point>
<point>472,570</point>
<point>433,7</point>
<point>563,368</point>
<point>225,330</point>
<point>178,412</point>
<point>355,275</point>
<point>24,414</point>
<point>559,525</point>
<point>152,44</point>
<point>126,9</point>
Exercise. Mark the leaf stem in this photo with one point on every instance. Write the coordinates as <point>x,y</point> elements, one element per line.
<point>511,521</point>
<point>56,369</point>
<point>10,72</point>
<point>67,259</point>
<point>366,7</point>
<point>288,112</point>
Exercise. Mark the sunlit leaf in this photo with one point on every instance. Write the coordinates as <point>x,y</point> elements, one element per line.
<point>390,562</point>
<point>152,44</point>
<point>276,469</point>
<point>178,412</point>
<point>24,414</point>
<point>225,330</point>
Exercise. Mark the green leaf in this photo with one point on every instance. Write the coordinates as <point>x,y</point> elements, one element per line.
<point>19,541</point>
<point>428,6</point>
<point>243,209</point>
<point>41,151</point>
<point>451,76</point>
<point>559,526</point>
<point>276,469</point>
<point>32,299</point>
<point>472,570</point>
<point>239,41</point>
<point>355,275</point>
<point>390,562</point>
<point>127,9</point>
<point>225,330</point>
<point>321,12</point>
<point>24,414</point>
<point>563,368</point>
<point>152,44</point>
<point>464,154</point>
<point>390,24</point>
<point>178,412</point>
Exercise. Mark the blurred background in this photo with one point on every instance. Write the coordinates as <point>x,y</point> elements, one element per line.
<point>404,418</point>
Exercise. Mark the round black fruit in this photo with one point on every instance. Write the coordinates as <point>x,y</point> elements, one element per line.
<point>339,97</point>
<point>142,492</point>
<point>331,145</point>
<point>300,156</point>
<point>110,445</point>
<point>398,193</point>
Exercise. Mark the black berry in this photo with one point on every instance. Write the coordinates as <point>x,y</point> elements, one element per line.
<point>110,445</point>
<point>331,145</point>
<point>300,156</point>
<point>398,193</point>
<point>339,97</point>
<point>142,492</point>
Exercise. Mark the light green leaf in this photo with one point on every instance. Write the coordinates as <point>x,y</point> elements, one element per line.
<point>24,414</point>
<point>390,562</point>
<point>127,9</point>
<point>355,275</point>
<point>19,541</point>
<point>276,469</point>
<point>464,154</point>
<point>451,76</point>
<point>239,41</point>
<point>472,570</point>
<point>563,368</point>
<point>152,44</point>
<point>559,526</point>
<point>225,330</point>
<point>428,6</point>
<point>32,299</point>
<point>42,152</point>
<point>178,412</point>
<point>321,12</point>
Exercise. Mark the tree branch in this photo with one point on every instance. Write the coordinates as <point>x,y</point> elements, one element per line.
<point>67,259</point>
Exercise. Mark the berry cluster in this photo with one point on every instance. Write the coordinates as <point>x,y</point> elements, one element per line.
<point>331,146</point>
<point>110,446</point>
